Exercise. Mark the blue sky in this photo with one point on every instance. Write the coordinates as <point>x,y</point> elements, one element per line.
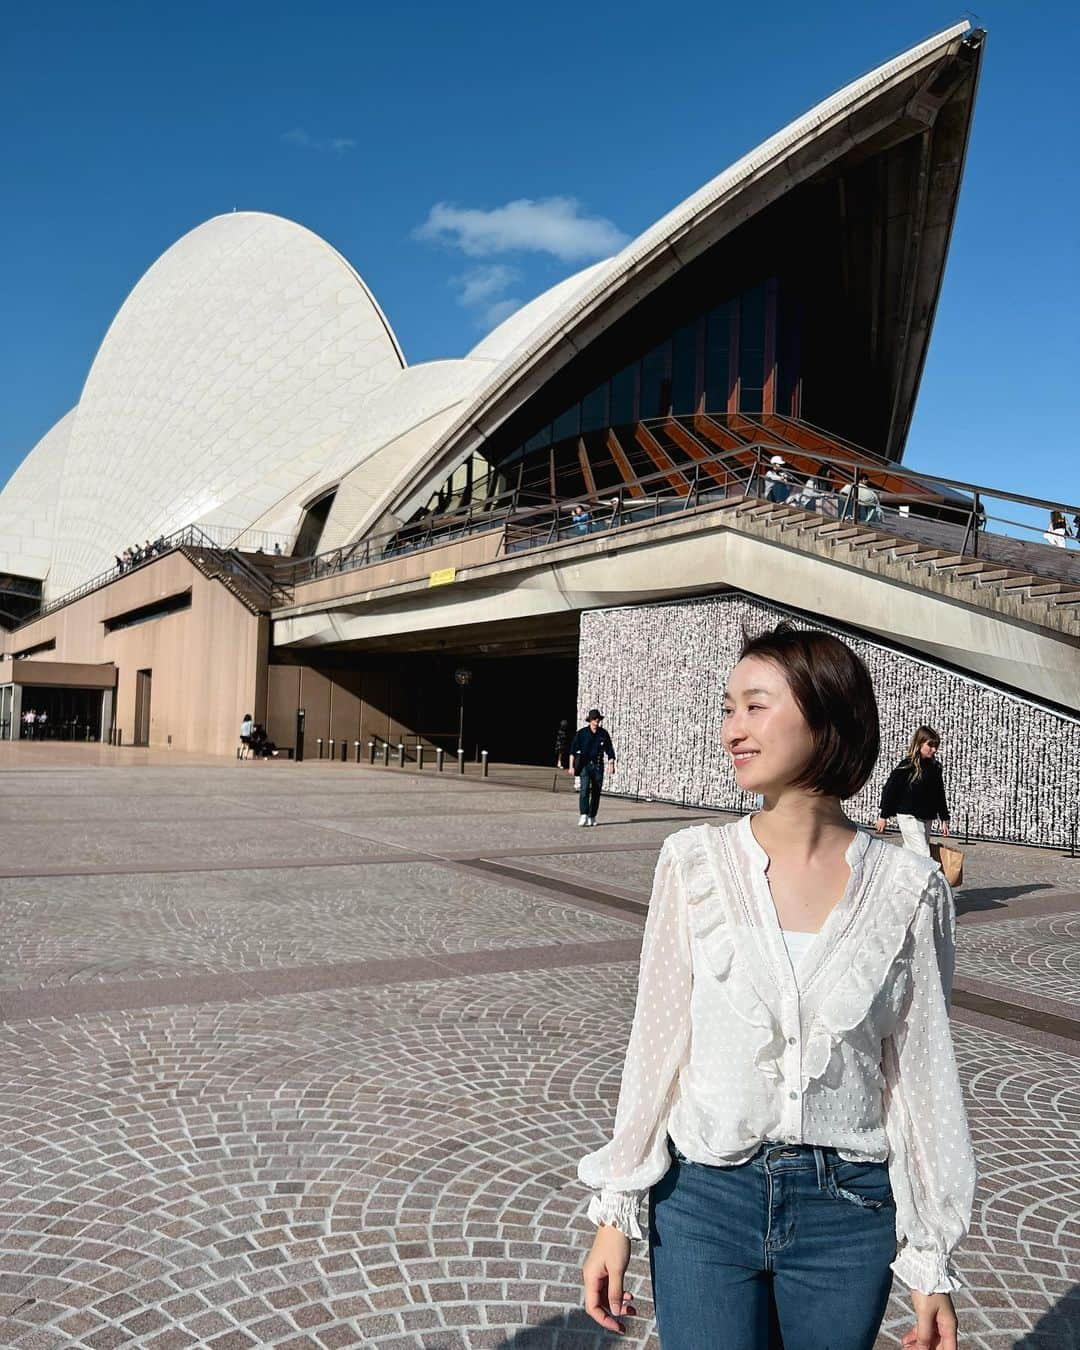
<point>123,125</point>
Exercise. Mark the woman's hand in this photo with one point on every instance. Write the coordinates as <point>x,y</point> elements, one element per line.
<point>935,1323</point>
<point>880,824</point>
<point>602,1275</point>
<point>944,827</point>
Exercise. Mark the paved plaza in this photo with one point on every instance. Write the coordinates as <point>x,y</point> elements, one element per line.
<point>305,1056</point>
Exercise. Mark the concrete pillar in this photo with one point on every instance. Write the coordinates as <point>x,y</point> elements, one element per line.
<point>106,714</point>
<point>15,729</point>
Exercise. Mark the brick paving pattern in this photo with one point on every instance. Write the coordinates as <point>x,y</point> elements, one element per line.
<point>389,1161</point>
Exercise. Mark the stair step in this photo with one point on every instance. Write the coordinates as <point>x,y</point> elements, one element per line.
<point>861,540</point>
<point>925,555</point>
<point>1049,588</point>
<point>952,560</point>
<point>992,574</point>
<point>843,536</point>
<point>971,568</point>
<point>1068,598</point>
<point>1019,582</point>
<point>1002,576</point>
<point>883,544</point>
<point>904,550</point>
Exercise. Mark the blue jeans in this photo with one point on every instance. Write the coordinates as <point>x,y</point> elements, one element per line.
<point>592,784</point>
<point>790,1250</point>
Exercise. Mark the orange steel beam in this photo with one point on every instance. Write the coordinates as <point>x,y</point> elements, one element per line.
<point>618,454</point>
<point>661,458</point>
<point>693,447</point>
<point>586,467</point>
<point>815,442</point>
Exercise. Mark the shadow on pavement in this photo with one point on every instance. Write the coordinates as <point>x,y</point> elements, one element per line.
<point>1058,1329</point>
<point>576,1331</point>
<point>993,897</point>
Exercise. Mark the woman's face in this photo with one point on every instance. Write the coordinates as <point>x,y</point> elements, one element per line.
<point>928,749</point>
<point>764,731</point>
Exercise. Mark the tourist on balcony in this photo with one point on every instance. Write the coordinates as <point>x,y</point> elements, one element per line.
<point>777,480</point>
<point>588,751</point>
<point>790,1098</point>
<point>580,519</point>
<point>1058,532</point>
<point>915,793</point>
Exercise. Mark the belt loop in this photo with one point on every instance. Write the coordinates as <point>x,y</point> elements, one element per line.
<point>819,1161</point>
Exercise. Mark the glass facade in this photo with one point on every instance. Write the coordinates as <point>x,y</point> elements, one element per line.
<point>726,359</point>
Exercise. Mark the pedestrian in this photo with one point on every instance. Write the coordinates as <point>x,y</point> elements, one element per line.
<point>790,1097</point>
<point>1058,532</point>
<point>247,726</point>
<point>915,793</point>
<point>1076,525</point>
<point>580,519</point>
<point>42,724</point>
<point>562,743</point>
<point>777,481</point>
<point>588,750</point>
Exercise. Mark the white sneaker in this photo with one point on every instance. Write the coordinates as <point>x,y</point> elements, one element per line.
<point>591,820</point>
<point>584,820</point>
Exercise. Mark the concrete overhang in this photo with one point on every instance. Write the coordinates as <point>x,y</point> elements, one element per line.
<point>699,552</point>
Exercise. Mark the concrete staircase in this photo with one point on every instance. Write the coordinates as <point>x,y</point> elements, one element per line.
<point>1051,602</point>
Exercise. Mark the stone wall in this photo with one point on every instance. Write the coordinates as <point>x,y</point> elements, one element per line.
<point>658,671</point>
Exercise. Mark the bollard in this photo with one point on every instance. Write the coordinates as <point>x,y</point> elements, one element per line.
<point>330,746</point>
<point>440,756</point>
<point>400,755</point>
<point>119,735</point>
<point>371,752</point>
<point>344,750</point>
<point>484,762</point>
<point>386,754</point>
<point>318,742</point>
<point>461,761</point>
<point>419,756</point>
<point>1072,838</point>
<point>357,745</point>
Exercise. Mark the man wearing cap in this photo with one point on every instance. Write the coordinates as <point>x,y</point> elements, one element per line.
<point>587,752</point>
<point>777,482</point>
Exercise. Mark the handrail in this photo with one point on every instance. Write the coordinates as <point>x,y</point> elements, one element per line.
<point>511,509</point>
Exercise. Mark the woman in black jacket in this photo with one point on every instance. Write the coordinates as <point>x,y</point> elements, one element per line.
<point>915,793</point>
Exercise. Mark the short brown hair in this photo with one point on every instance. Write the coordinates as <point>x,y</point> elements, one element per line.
<point>835,694</point>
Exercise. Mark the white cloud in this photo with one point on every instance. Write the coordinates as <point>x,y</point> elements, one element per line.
<point>551,225</point>
<point>299,137</point>
<point>482,291</point>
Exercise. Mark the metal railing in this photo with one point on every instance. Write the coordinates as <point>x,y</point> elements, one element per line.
<point>229,561</point>
<point>845,485</point>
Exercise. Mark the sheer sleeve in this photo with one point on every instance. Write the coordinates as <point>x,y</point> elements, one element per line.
<point>637,1156</point>
<point>931,1164</point>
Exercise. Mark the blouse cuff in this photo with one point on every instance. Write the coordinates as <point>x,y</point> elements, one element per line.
<point>927,1271</point>
<point>618,1209</point>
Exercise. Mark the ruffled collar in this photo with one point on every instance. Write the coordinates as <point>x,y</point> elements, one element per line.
<point>733,918</point>
<point>767,925</point>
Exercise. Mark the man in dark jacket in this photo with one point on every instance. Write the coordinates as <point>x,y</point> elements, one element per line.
<point>587,752</point>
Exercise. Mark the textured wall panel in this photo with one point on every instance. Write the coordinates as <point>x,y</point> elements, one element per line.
<point>658,671</point>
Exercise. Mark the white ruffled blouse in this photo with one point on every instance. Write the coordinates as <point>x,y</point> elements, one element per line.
<point>728,1050</point>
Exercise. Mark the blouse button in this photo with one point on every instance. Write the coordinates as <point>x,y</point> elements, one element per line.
<point>791,1040</point>
<point>794,1096</point>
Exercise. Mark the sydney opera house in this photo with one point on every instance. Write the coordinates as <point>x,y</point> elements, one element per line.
<point>340,532</point>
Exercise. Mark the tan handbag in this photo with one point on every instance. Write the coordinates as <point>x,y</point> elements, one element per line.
<point>951,862</point>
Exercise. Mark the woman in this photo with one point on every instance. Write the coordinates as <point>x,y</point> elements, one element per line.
<point>789,1098</point>
<point>915,793</point>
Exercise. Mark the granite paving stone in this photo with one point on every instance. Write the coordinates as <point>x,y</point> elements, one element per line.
<point>392,1163</point>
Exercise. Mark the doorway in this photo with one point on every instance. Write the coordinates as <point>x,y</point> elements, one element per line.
<point>142,706</point>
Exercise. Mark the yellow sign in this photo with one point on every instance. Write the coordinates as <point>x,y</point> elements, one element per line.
<point>443,577</point>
